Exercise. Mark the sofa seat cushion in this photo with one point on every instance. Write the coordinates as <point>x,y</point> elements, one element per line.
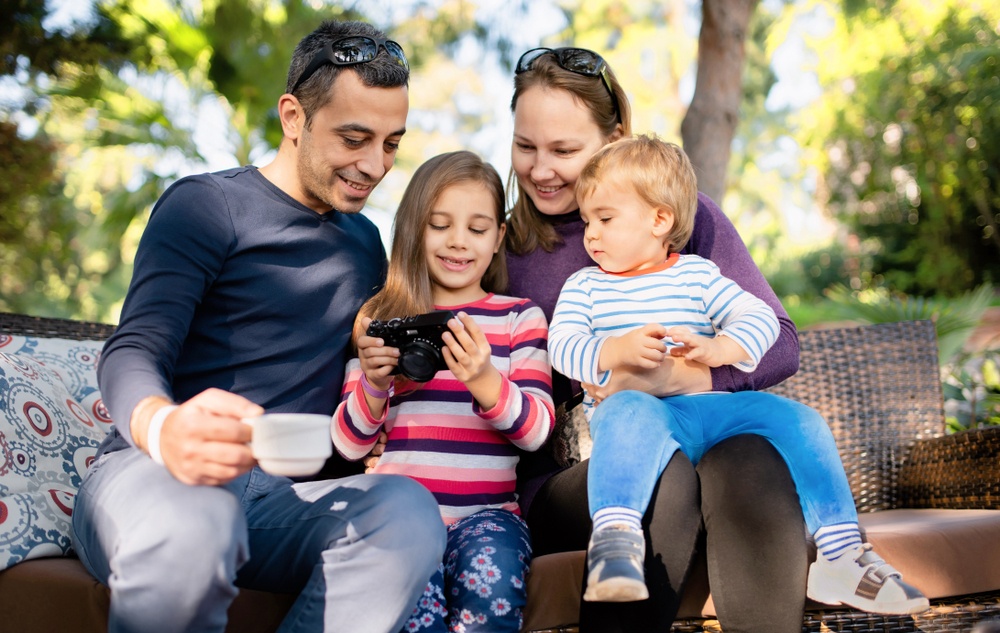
<point>942,552</point>
<point>52,594</point>
<point>554,583</point>
<point>58,594</point>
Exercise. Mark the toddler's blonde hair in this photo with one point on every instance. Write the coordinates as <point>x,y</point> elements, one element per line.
<point>660,173</point>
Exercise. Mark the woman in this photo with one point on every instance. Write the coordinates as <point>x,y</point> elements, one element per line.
<point>567,104</point>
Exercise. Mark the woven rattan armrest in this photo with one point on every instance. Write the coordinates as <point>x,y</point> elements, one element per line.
<point>24,325</point>
<point>958,471</point>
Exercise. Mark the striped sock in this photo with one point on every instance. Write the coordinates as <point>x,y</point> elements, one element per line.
<point>832,541</point>
<point>618,515</point>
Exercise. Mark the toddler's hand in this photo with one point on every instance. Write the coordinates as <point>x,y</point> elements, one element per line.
<point>714,352</point>
<point>642,347</point>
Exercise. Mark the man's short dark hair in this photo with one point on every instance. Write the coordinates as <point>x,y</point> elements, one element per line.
<point>314,93</point>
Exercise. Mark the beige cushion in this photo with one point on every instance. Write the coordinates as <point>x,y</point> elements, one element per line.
<point>941,552</point>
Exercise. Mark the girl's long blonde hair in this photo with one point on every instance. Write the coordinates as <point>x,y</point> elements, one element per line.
<point>407,289</point>
<point>526,226</point>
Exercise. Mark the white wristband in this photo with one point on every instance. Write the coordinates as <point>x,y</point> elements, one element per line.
<point>154,430</point>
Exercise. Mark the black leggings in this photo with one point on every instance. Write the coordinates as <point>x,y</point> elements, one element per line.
<point>754,540</point>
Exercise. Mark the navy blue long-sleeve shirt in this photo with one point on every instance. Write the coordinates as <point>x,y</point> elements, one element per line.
<point>238,286</point>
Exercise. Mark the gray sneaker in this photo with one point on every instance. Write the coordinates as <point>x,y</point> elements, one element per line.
<point>614,561</point>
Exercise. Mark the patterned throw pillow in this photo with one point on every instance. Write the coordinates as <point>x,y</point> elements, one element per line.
<point>51,422</point>
<point>75,362</point>
<point>570,442</point>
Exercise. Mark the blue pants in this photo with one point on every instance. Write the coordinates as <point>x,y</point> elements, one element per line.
<point>480,587</point>
<point>635,435</point>
<point>357,550</point>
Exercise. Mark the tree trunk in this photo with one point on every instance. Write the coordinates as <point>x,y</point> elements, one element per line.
<point>710,123</point>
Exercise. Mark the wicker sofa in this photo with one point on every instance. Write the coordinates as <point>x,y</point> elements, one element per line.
<point>928,500</point>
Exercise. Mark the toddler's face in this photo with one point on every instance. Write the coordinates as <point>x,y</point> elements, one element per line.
<point>620,235</point>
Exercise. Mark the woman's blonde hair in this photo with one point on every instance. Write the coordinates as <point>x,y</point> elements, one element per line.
<point>660,173</point>
<point>407,289</point>
<point>526,227</point>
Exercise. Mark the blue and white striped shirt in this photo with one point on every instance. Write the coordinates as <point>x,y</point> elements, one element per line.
<point>687,290</point>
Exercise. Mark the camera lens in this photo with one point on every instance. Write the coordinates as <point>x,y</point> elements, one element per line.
<point>419,361</point>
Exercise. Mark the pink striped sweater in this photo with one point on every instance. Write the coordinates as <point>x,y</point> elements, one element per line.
<point>438,436</point>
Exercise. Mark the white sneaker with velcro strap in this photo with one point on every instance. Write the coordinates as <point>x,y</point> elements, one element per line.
<point>861,579</point>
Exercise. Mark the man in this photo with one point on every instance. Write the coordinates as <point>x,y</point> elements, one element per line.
<point>245,288</point>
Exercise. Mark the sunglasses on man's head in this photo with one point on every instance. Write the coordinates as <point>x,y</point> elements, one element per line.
<point>576,60</point>
<point>348,51</point>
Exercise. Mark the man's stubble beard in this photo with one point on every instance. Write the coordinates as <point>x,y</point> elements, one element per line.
<point>315,187</point>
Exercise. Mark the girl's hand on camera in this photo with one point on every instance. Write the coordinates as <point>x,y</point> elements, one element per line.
<point>469,357</point>
<point>466,350</point>
<point>377,359</point>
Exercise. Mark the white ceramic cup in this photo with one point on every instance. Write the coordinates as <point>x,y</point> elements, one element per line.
<point>291,444</point>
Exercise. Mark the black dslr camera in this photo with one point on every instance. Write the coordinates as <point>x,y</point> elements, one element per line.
<point>419,341</point>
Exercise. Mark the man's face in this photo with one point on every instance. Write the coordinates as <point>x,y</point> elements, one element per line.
<point>351,144</point>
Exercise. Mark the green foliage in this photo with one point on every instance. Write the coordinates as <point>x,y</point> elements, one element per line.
<point>906,139</point>
<point>26,45</point>
<point>29,180</point>
<point>954,318</point>
<point>44,233</point>
<point>808,275</point>
<point>806,314</point>
<point>972,391</point>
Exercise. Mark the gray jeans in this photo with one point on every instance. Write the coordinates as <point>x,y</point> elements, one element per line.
<point>357,550</point>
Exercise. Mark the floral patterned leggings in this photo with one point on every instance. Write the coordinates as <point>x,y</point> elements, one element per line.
<point>480,584</point>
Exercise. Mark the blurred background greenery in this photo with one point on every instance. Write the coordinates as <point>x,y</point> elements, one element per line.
<point>863,170</point>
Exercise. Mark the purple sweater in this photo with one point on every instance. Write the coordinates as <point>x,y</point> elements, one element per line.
<point>714,238</point>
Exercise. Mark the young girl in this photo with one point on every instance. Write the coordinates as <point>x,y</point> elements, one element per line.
<point>458,434</point>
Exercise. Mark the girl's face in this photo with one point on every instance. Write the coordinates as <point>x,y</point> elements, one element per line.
<point>460,239</point>
<point>554,137</point>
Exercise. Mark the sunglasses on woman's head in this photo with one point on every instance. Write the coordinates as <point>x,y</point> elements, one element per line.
<point>348,51</point>
<point>576,60</point>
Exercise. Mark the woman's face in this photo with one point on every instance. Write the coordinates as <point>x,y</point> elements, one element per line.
<point>554,137</point>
